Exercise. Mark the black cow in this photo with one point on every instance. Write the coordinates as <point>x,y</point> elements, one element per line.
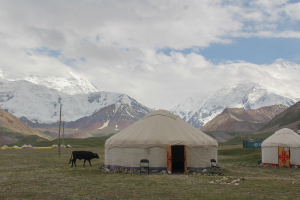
<point>86,155</point>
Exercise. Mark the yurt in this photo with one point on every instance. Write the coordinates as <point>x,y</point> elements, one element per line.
<point>54,146</point>
<point>4,147</point>
<point>166,141</point>
<point>24,147</point>
<point>69,146</point>
<point>281,149</point>
<point>30,147</point>
<point>62,146</point>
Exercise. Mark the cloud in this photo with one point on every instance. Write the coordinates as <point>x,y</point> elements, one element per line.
<point>116,44</point>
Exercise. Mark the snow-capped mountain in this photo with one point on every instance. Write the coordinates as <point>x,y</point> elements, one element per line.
<point>41,104</point>
<point>68,83</point>
<point>245,94</point>
<point>191,105</point>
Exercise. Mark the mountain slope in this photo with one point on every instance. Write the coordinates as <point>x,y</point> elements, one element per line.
<point>12,122</point>
<point>13,129</point>
<point>245,94</point>
<point>40,104</point>
<point>240,119</point>
<point>287,117</point>
<point>113,117</point>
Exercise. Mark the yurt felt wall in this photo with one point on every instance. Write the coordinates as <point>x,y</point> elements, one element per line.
<point>281,138</point>
<point>149,138</point>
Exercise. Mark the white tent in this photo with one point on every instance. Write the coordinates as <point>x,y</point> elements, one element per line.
<point>55,146</point>
<point>288,141</point>
<point>4,147</point>
<point>24,147</point>
<point>168,142</point>
<point>30,147</point>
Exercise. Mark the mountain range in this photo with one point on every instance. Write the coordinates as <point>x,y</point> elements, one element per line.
<point>242,120</point>
<point>36,100</point>
<point>40,104</point>
<point>201,108</point>
<point>290,118</point>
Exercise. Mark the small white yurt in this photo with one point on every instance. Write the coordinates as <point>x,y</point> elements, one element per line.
<point>24,147</point>
<point>281,149</point>
<point>30,147</point>
<point>168,142</point>
<point>55,146</point>
<point>4,147</point>
<point>69,146</point>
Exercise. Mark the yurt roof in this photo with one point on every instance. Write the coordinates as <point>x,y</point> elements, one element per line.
<point>24,145</point>
<point>29,145</point>
<point>4,146</point>
<point>160,129</point>
<point>282,138</point>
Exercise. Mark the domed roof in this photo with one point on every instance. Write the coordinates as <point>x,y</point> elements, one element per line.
<point>160,128</point>
<point>282,138</point>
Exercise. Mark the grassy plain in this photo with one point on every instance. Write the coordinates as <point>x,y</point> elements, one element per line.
<point>41,174</point>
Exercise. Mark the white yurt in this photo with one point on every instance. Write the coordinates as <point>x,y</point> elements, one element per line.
<point>167,141</point>
<point>30,147</point>
<point>4,147</point>
<point>24,147</point>
<point>55,146</point>
<point>281,149</point>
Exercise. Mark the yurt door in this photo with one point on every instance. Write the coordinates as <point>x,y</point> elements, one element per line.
<point>283,156</point>
<point>176,159</point>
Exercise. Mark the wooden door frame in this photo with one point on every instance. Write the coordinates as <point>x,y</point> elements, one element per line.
<point>169,158</point>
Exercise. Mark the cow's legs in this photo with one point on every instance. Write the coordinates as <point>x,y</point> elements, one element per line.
<point>84,162</point>
<point>74,163</point>
<point>90,162</point>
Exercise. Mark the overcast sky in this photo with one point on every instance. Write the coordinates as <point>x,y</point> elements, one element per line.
<point>158,52</point>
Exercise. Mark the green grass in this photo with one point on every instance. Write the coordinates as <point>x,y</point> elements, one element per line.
<point>11,132</point>
<point>22,138</point>
<point>241,155</point>
<point>29,139</point>
<point>46,136</point>
<point>41,174</point>
<point>240,138</point>
<point>210,133</point>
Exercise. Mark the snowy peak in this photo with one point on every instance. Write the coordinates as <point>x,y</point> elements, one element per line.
<point>41,104</point>
<point>245,94</point>
<point>110,118</point>
<point>190,106</point>
<point>68,83</point>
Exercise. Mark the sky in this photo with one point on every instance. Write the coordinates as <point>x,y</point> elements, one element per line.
<point>158,52</point>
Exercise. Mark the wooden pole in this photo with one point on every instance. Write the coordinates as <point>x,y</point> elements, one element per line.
<point>59,131</point>
<point>64,133</point>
